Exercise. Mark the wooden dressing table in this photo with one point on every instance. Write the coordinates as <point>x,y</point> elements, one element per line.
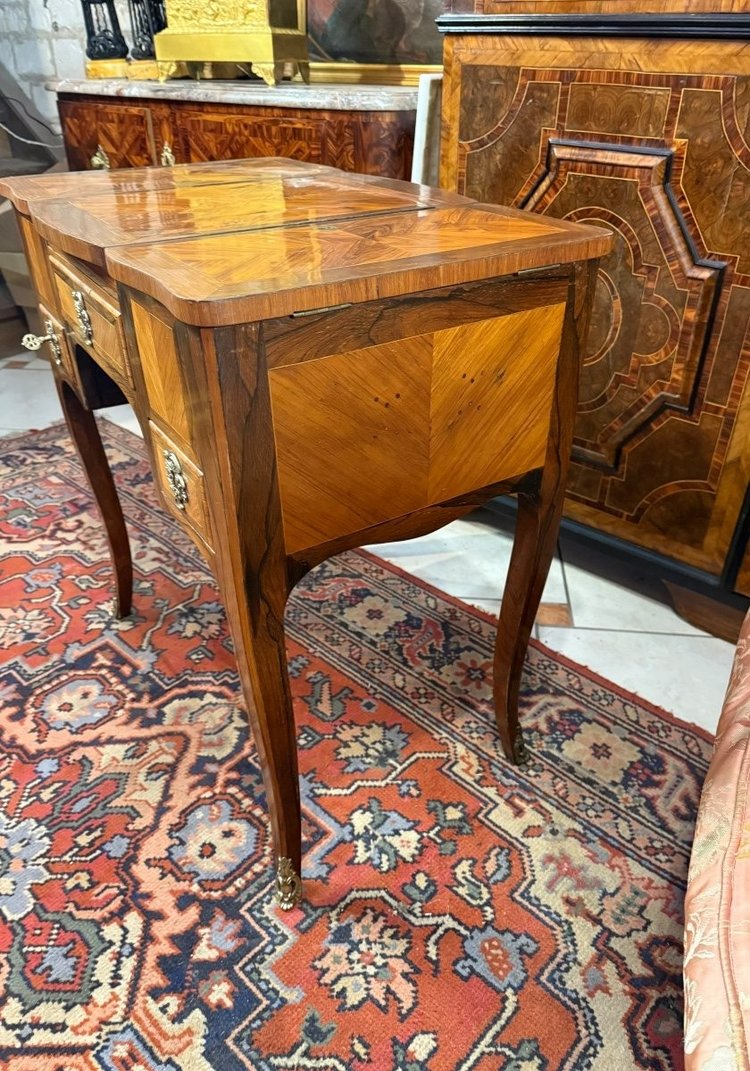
<point>317,360</point>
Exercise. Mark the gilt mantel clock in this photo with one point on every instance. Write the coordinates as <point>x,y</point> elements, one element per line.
<point>265,35</point>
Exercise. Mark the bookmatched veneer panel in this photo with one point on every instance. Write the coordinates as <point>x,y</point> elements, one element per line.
<point>373,434</point>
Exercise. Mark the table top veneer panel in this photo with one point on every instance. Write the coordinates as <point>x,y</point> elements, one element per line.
<point>252,275</point>
<point>27,190</point>
<point>234,242</point>
<point>84,225</point>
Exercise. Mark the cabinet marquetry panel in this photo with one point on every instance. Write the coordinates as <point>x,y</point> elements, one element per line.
<point>375,144</point>
<point>133,135</point>
<point>380,432</point>
<point>659,158</point>
<point>124,131</point>
<point>212,136</point>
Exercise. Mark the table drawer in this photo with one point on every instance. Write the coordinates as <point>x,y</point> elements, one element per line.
<point>55,344</point>
<point>93,316</point>
<point>182,485</point>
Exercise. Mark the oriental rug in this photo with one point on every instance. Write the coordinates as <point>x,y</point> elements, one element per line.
<point>460,914</point>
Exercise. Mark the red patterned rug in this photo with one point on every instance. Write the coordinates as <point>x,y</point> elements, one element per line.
<point>461,915</point>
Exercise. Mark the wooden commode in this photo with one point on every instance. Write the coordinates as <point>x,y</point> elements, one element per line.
<point>317,360</point>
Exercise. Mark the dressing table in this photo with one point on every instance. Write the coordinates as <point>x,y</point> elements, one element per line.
<point>317,360</point>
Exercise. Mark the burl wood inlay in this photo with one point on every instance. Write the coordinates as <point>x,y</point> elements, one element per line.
<point>649,138</point>
<point>320,361</point>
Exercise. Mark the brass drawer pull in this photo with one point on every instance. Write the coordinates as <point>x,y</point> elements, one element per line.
<point>176,479</point>
<point>33,342</point>
<point>84,320</point>
<point>167,156</point>
<point>100,161</point>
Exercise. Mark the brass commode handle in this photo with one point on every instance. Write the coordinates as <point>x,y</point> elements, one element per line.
<point>82,315</point>
<point>167,156</point>
<point>34,342</point>
<point>176,479</point>
<point>100,161</point>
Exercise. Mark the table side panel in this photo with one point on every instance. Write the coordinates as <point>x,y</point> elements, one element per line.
<point>36,257</point>
<point>370,435</point>
<point>492,388</point>
<point>162,374</point>
<point>87,223</point>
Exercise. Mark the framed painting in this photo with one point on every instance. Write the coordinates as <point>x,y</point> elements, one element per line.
<point>390,41</point>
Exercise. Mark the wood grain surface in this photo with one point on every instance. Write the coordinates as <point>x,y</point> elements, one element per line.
<point>86,224</point>
<point>106,339</point>
<point>437,367</point>
<point>119,184</point>
<point>163,377</point>
<point>647,137</point>
<point>205,281</point>
<point>369,435</point>
<point>134,133</point>
<point>394,238</point>
<point>194,516</point>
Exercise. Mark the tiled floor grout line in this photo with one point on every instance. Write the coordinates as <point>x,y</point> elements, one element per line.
<point>566,589</point>
<point>629,631</point>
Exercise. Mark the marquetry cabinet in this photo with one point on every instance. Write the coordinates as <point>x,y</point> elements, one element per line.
<point>109,131</point>
<point>637,121</point>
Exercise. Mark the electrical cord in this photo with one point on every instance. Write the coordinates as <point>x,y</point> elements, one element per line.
<point>27,113</point>
<point>29,141</point>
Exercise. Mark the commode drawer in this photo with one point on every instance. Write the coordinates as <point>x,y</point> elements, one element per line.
<point>53,344</point>
<point>93,316</point>
<point>182,485</point>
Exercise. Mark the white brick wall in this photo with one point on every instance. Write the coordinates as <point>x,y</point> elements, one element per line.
<point>41,40</point>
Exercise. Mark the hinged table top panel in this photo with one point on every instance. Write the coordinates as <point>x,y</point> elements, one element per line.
<point>247,240</point>
<point>27,190</point>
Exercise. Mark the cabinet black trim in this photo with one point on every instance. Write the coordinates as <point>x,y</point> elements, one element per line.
<point>703,25</point>
<point>655,565</point>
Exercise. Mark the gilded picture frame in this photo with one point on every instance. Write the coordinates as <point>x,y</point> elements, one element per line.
<point>382,41</point>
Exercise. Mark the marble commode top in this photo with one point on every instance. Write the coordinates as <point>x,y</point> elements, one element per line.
<point>289,95</point>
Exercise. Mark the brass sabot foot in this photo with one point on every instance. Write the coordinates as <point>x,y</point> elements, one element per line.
<point>520,754</point>
<point>288,885</point>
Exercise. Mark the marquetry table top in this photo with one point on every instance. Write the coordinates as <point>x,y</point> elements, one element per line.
<point>246,240</point>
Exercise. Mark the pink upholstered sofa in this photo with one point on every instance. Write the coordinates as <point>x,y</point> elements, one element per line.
<point>717,905</point>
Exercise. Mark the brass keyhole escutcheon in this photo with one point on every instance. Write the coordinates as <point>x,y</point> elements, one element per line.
<point>176,479</point>
<point>100,161</point>
<point>82,315</point>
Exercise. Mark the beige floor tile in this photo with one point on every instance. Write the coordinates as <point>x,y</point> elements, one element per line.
<point>686,675</point>
<point>600,603</point>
